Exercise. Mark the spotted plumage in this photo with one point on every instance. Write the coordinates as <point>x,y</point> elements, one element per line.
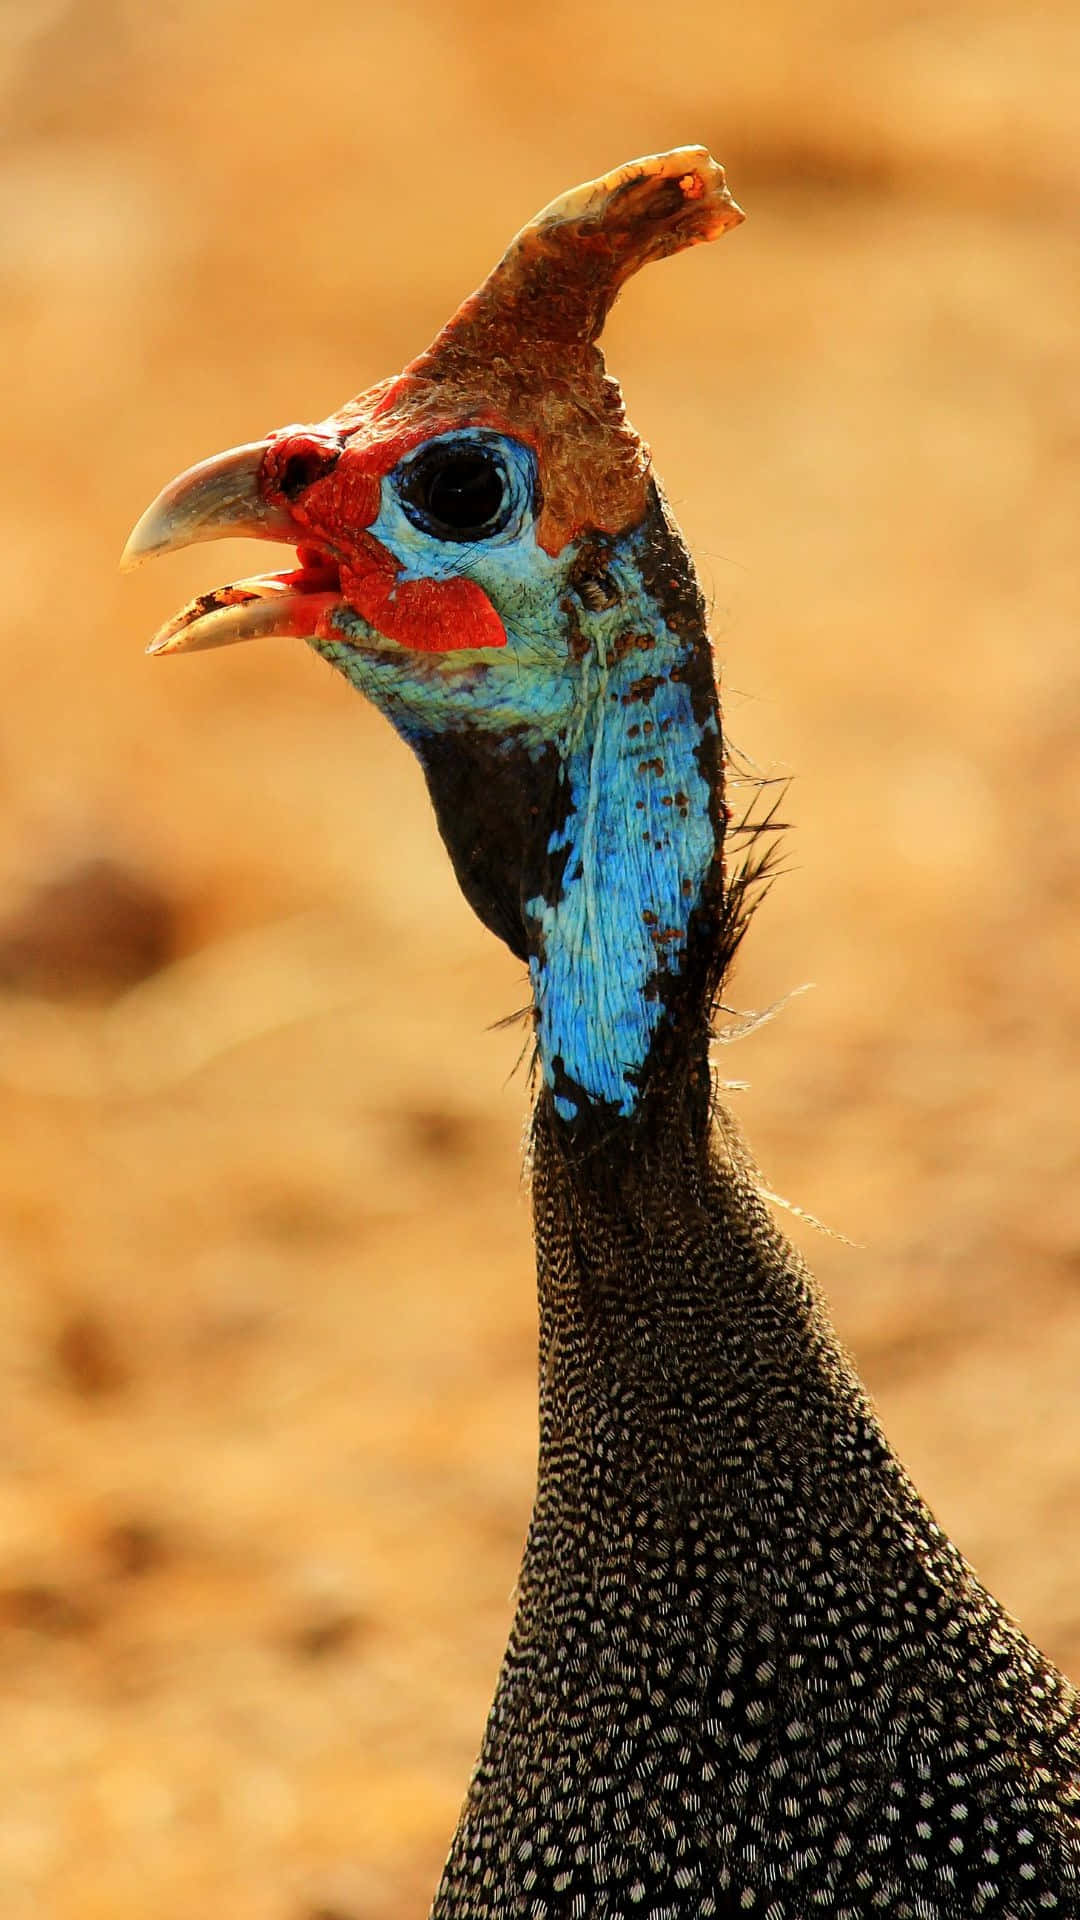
<point>748,1673</point>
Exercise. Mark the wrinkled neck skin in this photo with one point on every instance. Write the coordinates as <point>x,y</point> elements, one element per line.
<point>577,782</point>
<point>622,920</point>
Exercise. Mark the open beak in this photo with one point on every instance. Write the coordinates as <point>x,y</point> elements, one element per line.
<point>222,499</point>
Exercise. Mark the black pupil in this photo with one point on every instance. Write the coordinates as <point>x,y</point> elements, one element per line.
<point>458,493</point>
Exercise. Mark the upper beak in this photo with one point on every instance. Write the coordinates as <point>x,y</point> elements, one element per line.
<point>216,500</point>
<point>219,499</point>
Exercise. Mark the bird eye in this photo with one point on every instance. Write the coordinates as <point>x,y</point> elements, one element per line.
<point>457,490</point>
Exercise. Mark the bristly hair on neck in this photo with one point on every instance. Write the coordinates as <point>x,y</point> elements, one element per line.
<point>755,837</point>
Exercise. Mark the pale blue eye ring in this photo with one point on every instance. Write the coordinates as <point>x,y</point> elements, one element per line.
<point>466,487</point>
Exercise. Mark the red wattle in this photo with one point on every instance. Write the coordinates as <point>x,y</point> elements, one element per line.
<point>431,616</point>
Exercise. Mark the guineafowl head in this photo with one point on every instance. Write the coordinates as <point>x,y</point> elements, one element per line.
<point>484,553</point>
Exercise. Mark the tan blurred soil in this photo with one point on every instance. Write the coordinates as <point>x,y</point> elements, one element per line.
<point>266,1322</point>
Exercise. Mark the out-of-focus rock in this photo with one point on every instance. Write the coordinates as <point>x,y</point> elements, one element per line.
<point>38,1606</point>
<point>133,1547</point>
<point>88,1356</point>
<point>324,1631</point>
<point>90,929</point>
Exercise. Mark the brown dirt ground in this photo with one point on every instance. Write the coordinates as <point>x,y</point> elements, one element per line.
<point>266,1321</point>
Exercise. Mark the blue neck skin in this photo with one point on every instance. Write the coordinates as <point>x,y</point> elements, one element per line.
<point>600,730</point>
<point>635,850</point>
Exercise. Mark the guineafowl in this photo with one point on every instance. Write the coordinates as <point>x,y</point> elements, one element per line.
<point>748,1673</point>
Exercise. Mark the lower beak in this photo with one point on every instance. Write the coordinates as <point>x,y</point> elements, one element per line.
<point>269,603</point>
<point>222,499</point>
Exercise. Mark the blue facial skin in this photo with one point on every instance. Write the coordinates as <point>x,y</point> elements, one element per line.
<point>601,715</point>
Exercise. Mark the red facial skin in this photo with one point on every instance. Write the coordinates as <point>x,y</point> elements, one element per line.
<point>334,508</point>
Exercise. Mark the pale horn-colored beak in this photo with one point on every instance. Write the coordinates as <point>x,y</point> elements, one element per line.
<point>217,500</point>
<point>221,499</point>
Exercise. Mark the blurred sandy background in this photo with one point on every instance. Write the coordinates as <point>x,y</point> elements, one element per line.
<point>266,1318</point>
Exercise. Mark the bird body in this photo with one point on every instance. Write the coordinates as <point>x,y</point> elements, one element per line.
<point>748,1672</point>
